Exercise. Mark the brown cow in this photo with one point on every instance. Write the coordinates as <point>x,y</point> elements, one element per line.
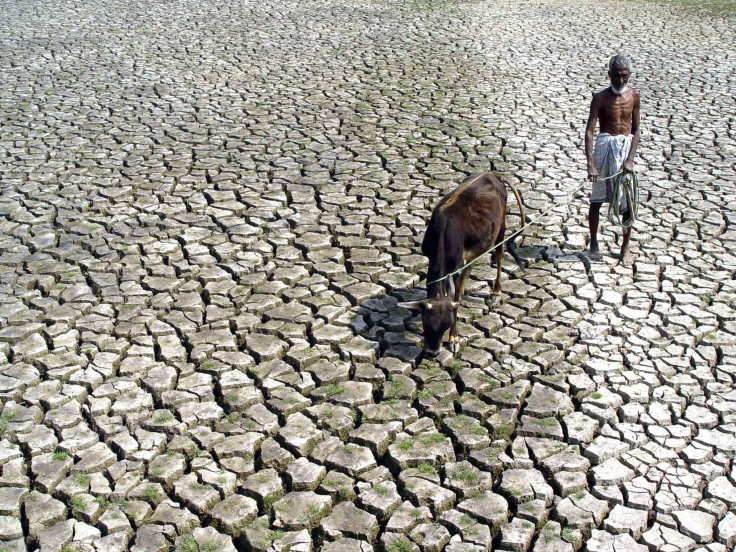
<point>465,223</point>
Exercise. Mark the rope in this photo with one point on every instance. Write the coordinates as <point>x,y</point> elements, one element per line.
<point>627,183</point>
<point>520,230</point>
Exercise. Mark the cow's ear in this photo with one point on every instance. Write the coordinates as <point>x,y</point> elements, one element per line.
<point>412,304</point>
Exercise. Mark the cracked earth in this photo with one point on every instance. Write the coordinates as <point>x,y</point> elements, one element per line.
<point>210,210</point>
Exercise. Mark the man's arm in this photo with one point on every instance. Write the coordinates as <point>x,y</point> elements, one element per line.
<point>629,163</point>
<point>589,130</point>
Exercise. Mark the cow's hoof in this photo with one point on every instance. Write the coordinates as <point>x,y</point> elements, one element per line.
<point>455,347</point>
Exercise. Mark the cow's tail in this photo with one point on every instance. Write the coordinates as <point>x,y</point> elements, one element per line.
<point>520,201</point>
<point>511,244</point>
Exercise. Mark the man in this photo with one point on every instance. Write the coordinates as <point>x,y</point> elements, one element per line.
<point>617,109</point>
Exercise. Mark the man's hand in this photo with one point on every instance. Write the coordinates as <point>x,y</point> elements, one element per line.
<point>628,166</point>
<point>592,174</point>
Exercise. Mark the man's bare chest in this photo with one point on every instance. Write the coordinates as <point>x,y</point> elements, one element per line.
<point>617,110</point>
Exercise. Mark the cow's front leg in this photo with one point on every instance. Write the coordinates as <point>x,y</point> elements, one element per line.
<point>454,340</point>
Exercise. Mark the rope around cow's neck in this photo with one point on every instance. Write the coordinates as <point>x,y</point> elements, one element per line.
<point>544,214</point>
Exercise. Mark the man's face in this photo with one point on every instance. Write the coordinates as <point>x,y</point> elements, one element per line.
<point>619,79</point>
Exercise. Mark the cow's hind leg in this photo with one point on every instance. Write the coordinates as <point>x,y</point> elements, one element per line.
<point>511,248</point>
<point>499,261</point>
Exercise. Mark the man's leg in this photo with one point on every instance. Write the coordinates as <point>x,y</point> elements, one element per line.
<point>626,257</point>
<point>593,216</point>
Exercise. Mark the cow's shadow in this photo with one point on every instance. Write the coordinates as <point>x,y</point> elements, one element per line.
<point>398,330</point>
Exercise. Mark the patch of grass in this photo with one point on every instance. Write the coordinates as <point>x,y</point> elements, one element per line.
<point>406,444</point>
<point>151,494</point>
<point>102,501</point>
<point>425,394</point>
<point>491,382</point>
<point>397,386</point>
<point>493,453</point>
<point>80,478</point>
<point>401,545</point>
<point>426,468</point>
<point>65,548</point>
<point>163,418</point>
<point>479,430</point>
<point>76,503</point>
<point>210,546</point>
<point>503,431</point>
<point>157,472</point>
<point>9,415</point>
<point>59,455</point>
<point>471,531</point>
<point>432,439</point>
<point>347,449</point>
<point>466,520</point>
<point>464,473</point>
<point>596,396</point>
<point>232,396</point>
<point>188,544</point>
<point>507,396</point>
<point>207,364</point>
<point>572,536</point>
<point>193,453</point>
<point>269,501</point>
<point>278,534</point>
<point>547,422</point>
<point>293,399</point>
<point>380,490</point>
<point>333,389</point>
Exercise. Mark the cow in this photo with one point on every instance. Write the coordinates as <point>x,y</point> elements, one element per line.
<point>464,224</point>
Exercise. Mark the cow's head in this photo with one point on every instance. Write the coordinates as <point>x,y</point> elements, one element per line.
<point>438,315</point>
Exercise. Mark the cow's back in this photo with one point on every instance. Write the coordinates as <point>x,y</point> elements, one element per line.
<point>474,210</point>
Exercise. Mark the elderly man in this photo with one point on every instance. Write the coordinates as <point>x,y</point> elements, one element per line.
<point>617,109</point>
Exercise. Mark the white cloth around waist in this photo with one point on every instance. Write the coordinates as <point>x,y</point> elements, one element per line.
<point>609,155</point>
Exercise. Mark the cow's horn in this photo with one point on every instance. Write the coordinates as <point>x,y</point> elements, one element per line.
<point>411,305</point>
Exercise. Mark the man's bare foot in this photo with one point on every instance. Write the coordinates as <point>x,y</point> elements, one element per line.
<point>627,258</point>
<point>595,253</point>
